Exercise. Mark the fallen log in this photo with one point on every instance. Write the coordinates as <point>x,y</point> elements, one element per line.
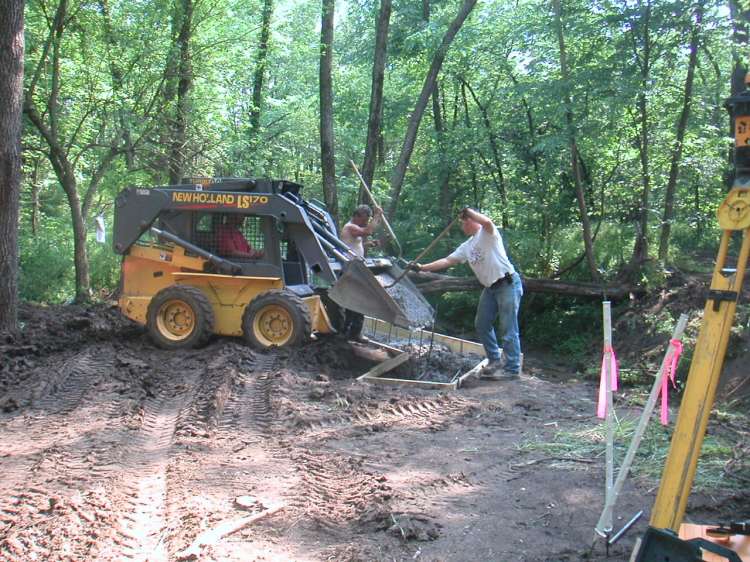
<point>436,283</point>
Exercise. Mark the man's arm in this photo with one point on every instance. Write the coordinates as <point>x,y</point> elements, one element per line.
<point>357,231</point>
<point>482,219</point>
<point>437,265</point>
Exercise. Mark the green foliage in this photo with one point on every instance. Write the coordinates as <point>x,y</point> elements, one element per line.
<point>46,266</point>
<point>503,143</point>
<point>105,267</point>
<point>572,330</point>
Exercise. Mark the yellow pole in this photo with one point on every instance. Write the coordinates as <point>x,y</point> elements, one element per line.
<point>705,370</point>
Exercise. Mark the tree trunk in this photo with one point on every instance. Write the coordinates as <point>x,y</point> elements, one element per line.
<point>437,283</point>
<point>184,25</point>
<point>260,71</point>
<point>11,92</point>
<point>376,92</point>
<point>472,163</point>
<point>397,179</point>
<point>444,168</point>
<point>668,216</point>
<point>328,161</point>
<point>501,188</point>
<point>643,54</point>
<point>58,155</point>
<point>588,243</point>
<point>80,252</point>
<point>740,15</point>
<point>545,226</point>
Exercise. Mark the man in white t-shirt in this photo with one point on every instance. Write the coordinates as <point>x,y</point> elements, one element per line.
<point>501,296</point>
<point>355,234</point>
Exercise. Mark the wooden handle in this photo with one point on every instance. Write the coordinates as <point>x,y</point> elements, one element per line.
<point>433,243</point>
<point>374,202</point>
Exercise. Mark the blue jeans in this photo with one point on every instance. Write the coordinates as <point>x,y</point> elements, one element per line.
<point>503,303</point>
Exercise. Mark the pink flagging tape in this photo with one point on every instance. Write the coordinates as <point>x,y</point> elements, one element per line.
<point>669,376</point>
<point>609,353</point>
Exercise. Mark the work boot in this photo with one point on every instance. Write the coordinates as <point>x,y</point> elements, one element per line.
<point>506,375</point>
<point>494,372</point>
<point>490,370</point>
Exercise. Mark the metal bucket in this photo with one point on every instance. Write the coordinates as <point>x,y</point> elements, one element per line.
<point>362,288</point>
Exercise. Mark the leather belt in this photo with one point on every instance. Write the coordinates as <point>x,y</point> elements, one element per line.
<point>507,278</point>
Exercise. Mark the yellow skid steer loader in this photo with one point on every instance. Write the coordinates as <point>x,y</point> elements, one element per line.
<point>183,277</point>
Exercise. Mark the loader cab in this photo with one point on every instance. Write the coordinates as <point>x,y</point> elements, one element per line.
<point>208,229</point>
<point>280,258</point>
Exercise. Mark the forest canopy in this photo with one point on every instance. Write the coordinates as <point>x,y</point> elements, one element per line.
<point>594,133</point>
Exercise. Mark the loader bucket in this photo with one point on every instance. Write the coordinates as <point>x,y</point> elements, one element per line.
<point>362,289</point>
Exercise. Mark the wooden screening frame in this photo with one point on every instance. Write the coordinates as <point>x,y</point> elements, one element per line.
<point>375,327</point>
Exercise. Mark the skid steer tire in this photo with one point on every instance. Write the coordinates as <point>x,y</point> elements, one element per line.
<point>180,317</point>
<point>276,318</point>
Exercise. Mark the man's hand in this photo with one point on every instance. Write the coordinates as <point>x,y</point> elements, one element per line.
<point>463,214</point>
<point>414,267</point>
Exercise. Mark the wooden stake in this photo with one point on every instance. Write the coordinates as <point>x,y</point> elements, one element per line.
<point>223,529</point>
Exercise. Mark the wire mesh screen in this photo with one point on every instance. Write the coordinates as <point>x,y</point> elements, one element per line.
<point>253,232</point>
<point>231,235</point>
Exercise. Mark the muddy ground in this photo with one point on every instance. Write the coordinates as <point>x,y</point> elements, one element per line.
<point>111,449</point>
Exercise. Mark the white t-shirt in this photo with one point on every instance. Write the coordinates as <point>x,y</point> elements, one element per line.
<point>356,243</point>
<point>486,256</point>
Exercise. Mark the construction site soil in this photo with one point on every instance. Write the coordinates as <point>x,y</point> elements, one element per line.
<point>111,449</point>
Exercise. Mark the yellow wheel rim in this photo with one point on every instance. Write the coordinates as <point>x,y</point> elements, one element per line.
<point>273,325</point>
<point>175,320</point>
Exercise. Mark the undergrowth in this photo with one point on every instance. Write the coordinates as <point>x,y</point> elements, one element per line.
<point>718,466</point>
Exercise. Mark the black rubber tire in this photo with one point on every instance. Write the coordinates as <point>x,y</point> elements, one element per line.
<point>180,317</point>
<point>276,318</point>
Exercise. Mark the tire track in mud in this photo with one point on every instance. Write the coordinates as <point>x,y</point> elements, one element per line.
<point>201,418</point>
<point>45,425</point>
<point>328,490</point>
<point>336,492</point>
<point>247,409</point>
<point>44,456</point>
<point>142,533</point>
<point>422,411</point>
<point>235,449</point>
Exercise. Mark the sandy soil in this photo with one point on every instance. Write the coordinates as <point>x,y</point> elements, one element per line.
<point>113,450</point>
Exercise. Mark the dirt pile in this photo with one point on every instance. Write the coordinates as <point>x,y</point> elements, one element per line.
<point>51,330</point>
<point>111,449</point>
<point>643,329</point>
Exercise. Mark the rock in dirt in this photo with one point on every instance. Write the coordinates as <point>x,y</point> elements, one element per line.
<point>414,527</point>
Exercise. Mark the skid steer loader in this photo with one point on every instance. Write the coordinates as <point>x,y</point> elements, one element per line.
<point>176,281</point>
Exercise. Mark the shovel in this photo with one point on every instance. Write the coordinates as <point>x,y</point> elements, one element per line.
<point>423,253</point>
<point>385,220</point>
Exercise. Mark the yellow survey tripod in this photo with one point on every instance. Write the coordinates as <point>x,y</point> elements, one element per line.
<point>710,349</point>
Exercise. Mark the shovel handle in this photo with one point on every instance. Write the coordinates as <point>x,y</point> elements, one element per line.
<point>433,243</point>
<point>369,194</point>
<point>424,252</point>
